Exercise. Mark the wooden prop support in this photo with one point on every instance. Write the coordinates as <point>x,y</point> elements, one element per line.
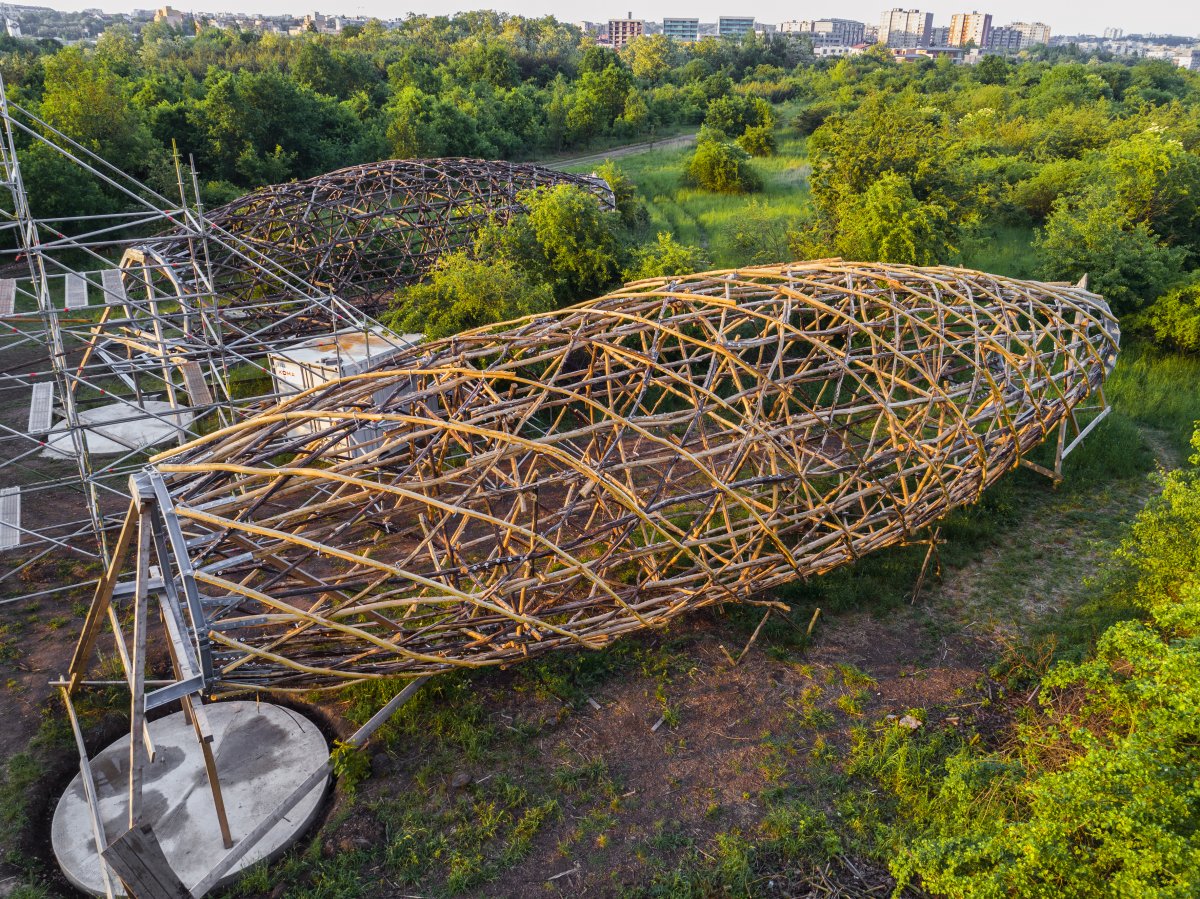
<point>136,856</point>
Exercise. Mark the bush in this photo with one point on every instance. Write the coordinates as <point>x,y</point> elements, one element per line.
<point>1099,793</point>
<point>888,224</point>
<point>812,117</point>
<point>464,293</point>
<point>721,167</point>
<point>1174,319</point>
<point>1126,261</point>
<point>758,141</point>
<point>664,258</point>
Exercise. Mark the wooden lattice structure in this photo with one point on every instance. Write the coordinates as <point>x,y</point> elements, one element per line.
<point>563,480</point>
<point>365,230</point>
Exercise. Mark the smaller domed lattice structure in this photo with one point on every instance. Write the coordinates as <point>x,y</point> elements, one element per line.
<point>364,230</point>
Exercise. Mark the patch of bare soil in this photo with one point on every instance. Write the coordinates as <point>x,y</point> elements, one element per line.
<point>667,788</point>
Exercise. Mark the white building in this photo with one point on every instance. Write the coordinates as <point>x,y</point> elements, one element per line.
<point>905,28</point>
<point>1189,60</point>
<point>828,32</point>
<point>1032,33</point>
<point>969,28</point>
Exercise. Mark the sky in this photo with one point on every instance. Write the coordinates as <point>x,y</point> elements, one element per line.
<point>1163,16</point>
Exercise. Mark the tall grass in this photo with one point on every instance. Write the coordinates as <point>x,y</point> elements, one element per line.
<point>1158,390</point>
<point>734,229</point>
<point>1001,250</point>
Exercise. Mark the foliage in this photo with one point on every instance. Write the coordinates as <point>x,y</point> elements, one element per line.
<point>1097,793</point>
<point>1125,261</point>
<point>1173,320</point>
<point>350,764</point>
<point>463,293</point>
<point>758,140</point>
<point>720,166</point>
<point>889,224</point>
<point>664,257</point>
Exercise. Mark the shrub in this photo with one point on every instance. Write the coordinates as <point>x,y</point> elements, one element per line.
<point>465,293</point>
<point>758,140</point>
<point>1099,793</point>
<point>1174,319</point>
<point>721,167</point>
<point>665,257</point>
<point>889,224</point>
<point>1126,261</point>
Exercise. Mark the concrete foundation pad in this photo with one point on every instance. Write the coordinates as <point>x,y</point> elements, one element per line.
<point>262,752</point>
<point>118,428</point>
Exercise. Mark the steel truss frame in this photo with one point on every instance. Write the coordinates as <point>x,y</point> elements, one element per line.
<point>179,329</point>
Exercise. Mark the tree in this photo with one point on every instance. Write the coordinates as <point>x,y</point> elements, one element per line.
<point>629,205</point>
<point>1155,181</point>
<point>992,70</point>
<point>651,57</point>
<point>758,140</point>
<point>665,257</point>
<point>576,238</point>
<point>1125,261</point>
<point>91,104</point>
<point>889,224</point>
<point>720,166</point>
<point>464,293</point>
<point>565,240</point>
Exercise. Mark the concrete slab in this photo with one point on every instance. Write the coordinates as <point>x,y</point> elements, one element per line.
<point>118,428</point>
<point>263,752</point>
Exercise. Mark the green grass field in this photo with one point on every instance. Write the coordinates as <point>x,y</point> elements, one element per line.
<point>734,229</point>
<point>751,229</point>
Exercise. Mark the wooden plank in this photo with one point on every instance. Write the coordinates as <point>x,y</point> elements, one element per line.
<point>101,604</point>
<point>114,287</point>
<point>10,517</point>
<point>89,791</point>
<point>40,407</point>
<point>77,293</point>
<point>142,865</point>
<point>193,383</point>
<point>8,296</point>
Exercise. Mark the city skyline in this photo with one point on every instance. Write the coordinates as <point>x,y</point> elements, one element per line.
<point>1064,18</point>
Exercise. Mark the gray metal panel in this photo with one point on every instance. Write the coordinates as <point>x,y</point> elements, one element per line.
<point>8,296</point>
<point>10,517</point>
<point>77,295</point>
<point>40,407</point>
<point>114,287</point>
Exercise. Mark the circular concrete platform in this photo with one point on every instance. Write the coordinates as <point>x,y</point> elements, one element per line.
<point>119,428</point>
<point>262,751</point>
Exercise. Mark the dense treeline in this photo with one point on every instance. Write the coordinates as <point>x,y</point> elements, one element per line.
<point>914,162</point>
<point>254,109</point>
<point>911,161</point>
